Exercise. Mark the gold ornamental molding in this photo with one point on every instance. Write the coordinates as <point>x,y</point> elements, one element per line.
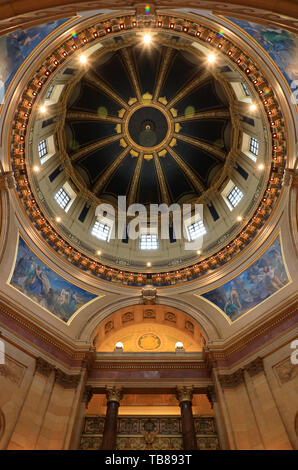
<point>184,393</point>
<point>170,24</point>
<point>114,394</point>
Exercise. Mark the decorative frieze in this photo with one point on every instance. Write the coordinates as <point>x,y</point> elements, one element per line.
<point>61,378</point>
<point>232,380</point>
<point>66,381</point>
<point>255,367</point>
<point>43,367</point>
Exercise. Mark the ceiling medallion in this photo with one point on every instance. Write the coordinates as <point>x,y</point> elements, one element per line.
<point>148,127</point>
<point>147,138</point>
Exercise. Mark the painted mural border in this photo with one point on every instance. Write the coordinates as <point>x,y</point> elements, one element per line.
<point>256,258</point>
<point>8,282</point>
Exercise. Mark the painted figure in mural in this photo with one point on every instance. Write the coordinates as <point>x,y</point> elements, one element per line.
<point>16,46</point>
<point>260,280</point>
<point>32,277</point>
<point>233,304</point>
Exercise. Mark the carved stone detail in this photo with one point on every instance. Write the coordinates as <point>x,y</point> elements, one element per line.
<point>149,296</point>
<point>127,317</point>
<point>87,395</point>
<point>290,177</point>
<point>189,326</point>
<point>211,395</point>
<point>232,380</point>
<point>149,314</point>
<point>114,394</point>
<point>66,381</point>
<point>255,367</point>
<point>170,316</point>
<point>109,326</point>
<point>7,181</point>
<point>184,393</point>
<point>43,367</point>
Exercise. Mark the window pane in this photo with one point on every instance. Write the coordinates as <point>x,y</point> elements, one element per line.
<point>101,231</point>
<point>235,196</point>
<point>50,90</point>
<point>62,198</point>
<point>196,229</point>
<point>148,242</point>
<point>254,146</point>
<point>245,89</point>
<point>42,148</point>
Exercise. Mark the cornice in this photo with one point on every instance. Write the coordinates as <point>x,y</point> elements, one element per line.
<point>66,381</point>
<point>36,336</point>
<point>151,365</point>
<point>238,377</point>
<point>211,358</point>
<point>231,353</point>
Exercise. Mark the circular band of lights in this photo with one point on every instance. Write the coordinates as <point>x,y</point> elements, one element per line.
<point>192,30</point>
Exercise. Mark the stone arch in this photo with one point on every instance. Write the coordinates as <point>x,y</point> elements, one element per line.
<point>149,327</point>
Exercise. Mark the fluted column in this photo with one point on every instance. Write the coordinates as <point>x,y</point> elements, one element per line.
<point>184,396</point>
<point>114,395</point>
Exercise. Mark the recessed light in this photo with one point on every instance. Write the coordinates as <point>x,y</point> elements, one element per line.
<point>58,219</point>
<point>261,166</point>
<point>149,264</point>
<point>147,38</point>
<point>42,109</point>
<point>239,218</point>
<point>199,252</point>
<point>36,168</point>
<point>98,252</point>
<point>83,59</point>
<point>211,58</point>
<point>253,107</point>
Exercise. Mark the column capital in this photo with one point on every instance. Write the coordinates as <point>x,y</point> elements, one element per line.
<point>43,367</point>
<point>114,394</point>
<point>255,367</point>
<point>184,393</point>
<point>7,181</point>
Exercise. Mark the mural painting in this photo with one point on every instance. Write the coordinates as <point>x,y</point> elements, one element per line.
<point>15,47</point>
<point>281,45</point>
<point>258,282</point>
<point>41,284</point>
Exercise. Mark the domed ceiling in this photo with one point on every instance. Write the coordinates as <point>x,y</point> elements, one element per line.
<point>158,123</point>
<point>150,123</point>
